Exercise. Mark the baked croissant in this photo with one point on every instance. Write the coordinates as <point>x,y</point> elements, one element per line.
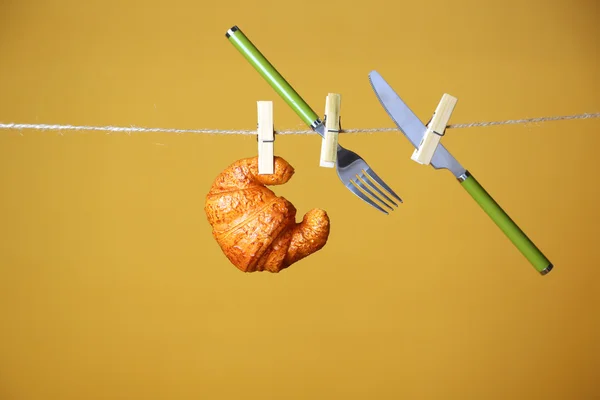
<point>256,229</point>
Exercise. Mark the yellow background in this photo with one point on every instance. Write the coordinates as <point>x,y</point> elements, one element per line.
<point>111,286</point>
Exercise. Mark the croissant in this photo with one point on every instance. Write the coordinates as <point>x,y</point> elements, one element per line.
<point>256,229</point>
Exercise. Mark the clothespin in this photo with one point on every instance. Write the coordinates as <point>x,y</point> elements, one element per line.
<point>266,138</point>
<point>332,129</point>
<point>435,130</point>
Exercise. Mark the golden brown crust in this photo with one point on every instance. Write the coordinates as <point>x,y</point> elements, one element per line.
<point>256,229</point>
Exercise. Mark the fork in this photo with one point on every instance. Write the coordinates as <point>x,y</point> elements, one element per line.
<point>356,175</point>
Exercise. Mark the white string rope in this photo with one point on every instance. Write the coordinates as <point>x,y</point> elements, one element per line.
<point>136,129</point>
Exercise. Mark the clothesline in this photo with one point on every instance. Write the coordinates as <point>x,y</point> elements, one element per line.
<point>136,129</point>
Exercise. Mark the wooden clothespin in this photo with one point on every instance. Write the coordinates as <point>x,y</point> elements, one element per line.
<point>329,144</point>
<point>266,138</point>
<point>435,130</point>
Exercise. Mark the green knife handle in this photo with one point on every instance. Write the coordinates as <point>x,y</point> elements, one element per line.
<point>274,78</point>
<point>506,224</point>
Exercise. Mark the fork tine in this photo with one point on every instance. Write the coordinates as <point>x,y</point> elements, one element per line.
<point>368,182</point>
<point>359,183</point>
<point>360,194</point>
<point>377,179</point>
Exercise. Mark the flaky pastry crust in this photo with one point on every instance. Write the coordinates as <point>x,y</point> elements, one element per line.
<point>256,229</point>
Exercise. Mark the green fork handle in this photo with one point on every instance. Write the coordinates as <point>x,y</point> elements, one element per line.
<point>274,78</point>
<point>506,224</point>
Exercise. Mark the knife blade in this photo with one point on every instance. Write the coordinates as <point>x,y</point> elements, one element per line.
<point>410,125</point>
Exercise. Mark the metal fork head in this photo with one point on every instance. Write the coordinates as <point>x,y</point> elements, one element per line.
<point>361,180</point>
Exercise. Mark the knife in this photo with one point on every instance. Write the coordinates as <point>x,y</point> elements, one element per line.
<point>412,127</point>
